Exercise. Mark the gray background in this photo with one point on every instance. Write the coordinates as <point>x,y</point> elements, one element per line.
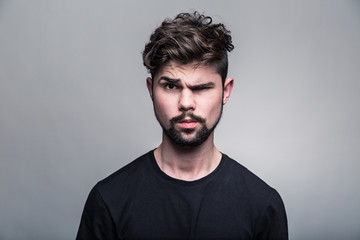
<point>74,106</point>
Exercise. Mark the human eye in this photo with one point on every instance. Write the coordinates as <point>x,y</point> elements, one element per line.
<point>202,87</point>
<point>170,86</point>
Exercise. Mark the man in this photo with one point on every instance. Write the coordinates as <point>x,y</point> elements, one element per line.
<point>186,188</point>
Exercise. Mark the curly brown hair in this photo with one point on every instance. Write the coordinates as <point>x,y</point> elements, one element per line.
<point>189,38</point>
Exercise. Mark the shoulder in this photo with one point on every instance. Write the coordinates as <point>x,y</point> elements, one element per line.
<point>241,173</point>
<point>248,182</point>
<point>125,178</point>
<point>255,194</point>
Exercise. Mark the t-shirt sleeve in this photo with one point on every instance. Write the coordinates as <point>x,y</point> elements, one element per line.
<point>273,223</point>
<point>96,221</point>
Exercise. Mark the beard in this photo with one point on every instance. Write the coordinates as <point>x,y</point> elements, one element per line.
<point>177,136</point>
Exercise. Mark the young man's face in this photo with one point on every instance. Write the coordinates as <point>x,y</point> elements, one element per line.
<point>188,101</point>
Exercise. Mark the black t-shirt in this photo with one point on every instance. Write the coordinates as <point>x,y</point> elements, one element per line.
<point>139,201</point>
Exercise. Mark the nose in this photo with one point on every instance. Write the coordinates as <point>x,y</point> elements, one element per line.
<point>186,101</point>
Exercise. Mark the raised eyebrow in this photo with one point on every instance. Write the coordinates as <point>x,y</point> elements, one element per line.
<point>170,80</point>
<point>202,86</point>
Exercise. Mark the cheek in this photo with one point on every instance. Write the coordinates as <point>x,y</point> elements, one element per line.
<point>165,107</point>
<point>215,108</point>
<point>211,107</point>
<point>213,102</point>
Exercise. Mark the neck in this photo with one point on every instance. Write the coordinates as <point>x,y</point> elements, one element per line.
<point>187,163</point>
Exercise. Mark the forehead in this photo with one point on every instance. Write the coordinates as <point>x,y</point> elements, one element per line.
<point>189,72</point>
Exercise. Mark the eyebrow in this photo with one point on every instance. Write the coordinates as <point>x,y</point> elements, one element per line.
<point>192,87</point>
<point>170,80</point>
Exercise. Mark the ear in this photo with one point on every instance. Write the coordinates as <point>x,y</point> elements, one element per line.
<point>149,83</point>
<point>228,85</point>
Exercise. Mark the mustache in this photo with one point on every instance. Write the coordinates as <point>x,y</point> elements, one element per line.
<point>188,115</point>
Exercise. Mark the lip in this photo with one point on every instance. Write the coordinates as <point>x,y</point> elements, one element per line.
<point>187,123</point>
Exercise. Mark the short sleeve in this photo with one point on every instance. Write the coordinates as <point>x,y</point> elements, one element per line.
<point>273,223</point>
<point>96,221</point>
